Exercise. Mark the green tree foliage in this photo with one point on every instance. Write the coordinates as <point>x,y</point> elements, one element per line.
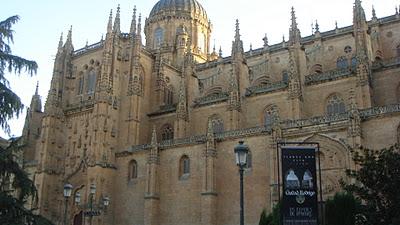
<point>377,185</point>
<point>15,190</point>
<point>10,103</point>
<point>272,218</point>
<point>341,209</point>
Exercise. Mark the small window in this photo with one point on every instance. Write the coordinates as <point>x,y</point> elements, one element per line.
<point>167,133</point>
<point>133,170</point>
<point>285,76</point>
<point>184,167</point>
<point>80,86</point>
<point>348,49</point>
<point>91,84</point>
<point>335,105</point>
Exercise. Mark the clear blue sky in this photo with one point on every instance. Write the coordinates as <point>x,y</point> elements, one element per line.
<point>42,21</point>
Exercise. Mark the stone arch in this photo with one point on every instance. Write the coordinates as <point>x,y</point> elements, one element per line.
<point>316,69</point>
<point>269,115</point>
<point>215,90</point>
<point>335,160</point>
<point>261,81</point>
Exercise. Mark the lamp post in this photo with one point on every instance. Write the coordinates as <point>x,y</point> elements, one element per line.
<point>92,193</point>
<point>241,151</point>
<point>67,194</point>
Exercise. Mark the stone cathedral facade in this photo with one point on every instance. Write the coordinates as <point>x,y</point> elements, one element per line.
<point>153,122</point>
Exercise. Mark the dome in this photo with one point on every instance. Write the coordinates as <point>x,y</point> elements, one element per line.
<point>186,6</point>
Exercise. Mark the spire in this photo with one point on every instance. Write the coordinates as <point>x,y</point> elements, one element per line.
<point>316,26</point>
<point>139,27</point>
<point>60,43</point>
<point>294,32</point>
<point>133,23</point>
<point>220,52</point>
<point>237,44</point>
<point>117,21</point>
<point>37,88</point>
<point>36,102</point>
<point>68,42</point>
<point>373,12</point>
<point>109,25</point>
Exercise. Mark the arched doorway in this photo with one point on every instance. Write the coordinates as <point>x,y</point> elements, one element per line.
<point>78,218</point>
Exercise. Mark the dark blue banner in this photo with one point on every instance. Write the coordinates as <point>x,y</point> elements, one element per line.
<point>300,196</point>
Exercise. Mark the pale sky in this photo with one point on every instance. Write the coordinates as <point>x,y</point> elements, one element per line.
<point>42,21</point>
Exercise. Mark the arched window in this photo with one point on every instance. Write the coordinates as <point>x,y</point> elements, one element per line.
<point>168,95</point>
<point>167,133</point>
<point>184,167</point>
<point>335,105</point>
<point>91,84</point>
<point>342,63</point>
<point>316,69</point>
<point>270,115</point>
<point>133,170</point>
<point>80,85</point>
<point>249,164</point>
<point>158,37</point>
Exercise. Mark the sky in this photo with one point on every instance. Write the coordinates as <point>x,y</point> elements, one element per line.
<point>42,22</point>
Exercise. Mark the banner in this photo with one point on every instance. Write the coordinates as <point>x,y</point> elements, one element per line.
<point>300,196</point>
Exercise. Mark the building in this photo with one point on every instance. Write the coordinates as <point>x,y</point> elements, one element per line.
<point>153,126</point>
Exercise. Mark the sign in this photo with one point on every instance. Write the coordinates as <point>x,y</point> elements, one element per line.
<point>300,196</point>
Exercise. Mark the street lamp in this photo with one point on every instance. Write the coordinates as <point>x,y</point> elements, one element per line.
<point>92,192</point>
<point>67,194</point>
<point>241,151</point>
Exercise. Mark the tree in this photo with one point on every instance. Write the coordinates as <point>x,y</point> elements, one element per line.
<point>15,190</point>
<point>377,183</point>
<point>341,209</point>
<point>10,103</point>
<point>272,218</point>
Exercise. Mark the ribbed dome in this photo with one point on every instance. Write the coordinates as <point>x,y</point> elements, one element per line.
<point>186,6</point>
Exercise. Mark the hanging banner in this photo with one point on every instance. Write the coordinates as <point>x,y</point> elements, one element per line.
<point>300,196</point>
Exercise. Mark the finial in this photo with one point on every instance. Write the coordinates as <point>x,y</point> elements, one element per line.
<point>397,11</point>
<point>117,20</point>
<point>102,37</point>
<point>60,43</point>
<point>109,26</point>
<point>312,27</point>
<point>37,88</point>
<point>214,47</point>
<point>265,39</point>
<point>251,47</point>
<point>139,29</point>
<point>154,137</point>
<point>293,19</point>
<point>373,12</point>
<point>336,26</point>
<point>87,43</point>
<point>133,23</point>
<point>316,26</point>
<point>237,30</point>
<point>220,52</point>
<point>283,38</point>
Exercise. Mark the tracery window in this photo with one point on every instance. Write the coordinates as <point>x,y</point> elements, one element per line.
<point>342,63</point>
<point>217,124</point>
<point>167,133</point>
<point>184,167</point>
<point>158,37</point>
<point>335,105</point>
<point>348,49</point>
<point>270,115</point>
<point>91,84</point>
<point>133,173</point>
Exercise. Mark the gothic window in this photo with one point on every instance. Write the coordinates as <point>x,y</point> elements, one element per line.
<point>91,83</point>
<point>167,133</point>
<point>168,95</point>
<point>342,63</point>
<point>335,105</point>
<point>158,37</point>
<point>80,85</point>
<point>217,124</point>
<point>184,167</point>
<point>270,114</point>
<point>348,49</point>
<point>316,69</point>
<point>133,170</point>
<point>285,76</point>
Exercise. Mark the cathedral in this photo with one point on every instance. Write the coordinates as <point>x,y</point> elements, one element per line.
<point>144,128</point>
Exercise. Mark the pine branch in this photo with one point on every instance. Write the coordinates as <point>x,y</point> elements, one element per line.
<point>10,106</point>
